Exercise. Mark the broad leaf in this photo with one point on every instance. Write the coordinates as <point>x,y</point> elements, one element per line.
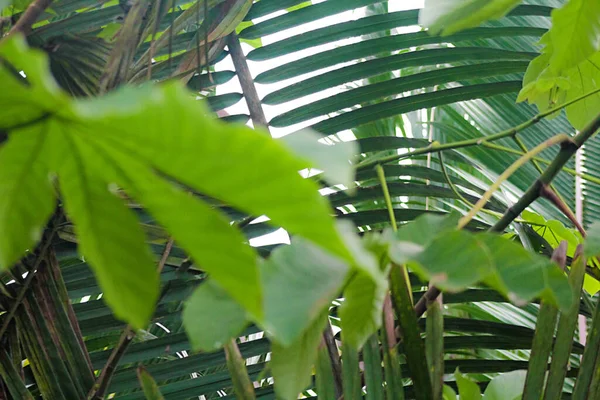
<point>507,386</point>
<point>25,99</point>
<point>26,194</point>
<point>109,234</point>
<point>292,365</point>
<point>361,311</point>
<point>522,276</point>
<point>149,386</point>
<point>270,183</point>
<point>450,16</point>
<point>205,233</point>
<point>584,78</point>
<point>334,160</point>
<point>413,238</point>
<point>574,33</point>
<point>454,261</point>
<point>299,271</point>
<point>211,317</point>
<point>467,389</point>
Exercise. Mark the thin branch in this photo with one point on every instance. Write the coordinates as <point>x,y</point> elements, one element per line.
<point>243,72</point>
<point>567,150</point>
<point>561,138</point>
<point>551,195</point>
<point>33,12</point>
<point>101,386</point>
<point>334,359</point>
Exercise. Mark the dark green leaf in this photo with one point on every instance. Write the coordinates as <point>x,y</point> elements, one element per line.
<point>211,317</point>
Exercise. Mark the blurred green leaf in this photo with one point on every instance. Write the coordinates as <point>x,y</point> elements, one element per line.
<point>446,17</point>
<point>334,160</point>
<point>148,384</point>
<point>292,365</point>
<point>211,317</point>
<point>27,196</point>
<point>507,386</point>
<point>467,389</point>
<point>363,295</point>
<point>298,271</point>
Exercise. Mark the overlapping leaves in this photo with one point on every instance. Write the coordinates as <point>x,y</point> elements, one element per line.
<point>140,140</point>
<point>455,260</point>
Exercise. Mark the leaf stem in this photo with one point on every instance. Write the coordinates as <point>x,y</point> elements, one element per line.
<point>386,196</point>
<point>507,173</point>
<point>239,374</point>
<point>28,18</point>
<point>436,147</point>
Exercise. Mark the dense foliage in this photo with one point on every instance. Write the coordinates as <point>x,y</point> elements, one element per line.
<point>127,206</point>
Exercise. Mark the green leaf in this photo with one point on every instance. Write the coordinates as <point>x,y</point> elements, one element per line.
<point>205,233</point>
<point>270,185</point>
<point>591,246</point>
<point>574,33</point>
<point>27,197</point>
<point>450,16</point>
<point>361,311</point>
<point>299,271</point>
<point>148,384</point>
<point>109,234</point>
<point>448,393</point>
<point>292,365</point>
<point>584,78</point>
<point>507,386</point>
<point>467,389</point>
<point>23,100</point>
<point>413,238</point>
<point>364,294</point>
<point>431,249</point>
<point>211,317</point>
<point>454,261</point>
<point>334,160</point>
<point>522,276</point>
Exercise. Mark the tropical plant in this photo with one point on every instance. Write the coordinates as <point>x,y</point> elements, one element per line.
<point>126,208</point>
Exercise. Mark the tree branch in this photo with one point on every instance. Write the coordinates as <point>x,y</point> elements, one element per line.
<point>29,17</point>
<point>568,149</point>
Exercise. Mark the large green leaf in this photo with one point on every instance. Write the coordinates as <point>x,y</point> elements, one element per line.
<point>574,33</point>
<point>211,317</point>
<point>450,16</point>
<point>27,197</point>
<point>24,99</point>
<point>108,232</point>
<point>508,386</point>
<point>454,260</point>
<point>299,271</point>
<point>584,78</point>
<point>172,123</point>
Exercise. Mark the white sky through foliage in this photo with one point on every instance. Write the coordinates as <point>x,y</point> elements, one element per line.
<point>257,67</point>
